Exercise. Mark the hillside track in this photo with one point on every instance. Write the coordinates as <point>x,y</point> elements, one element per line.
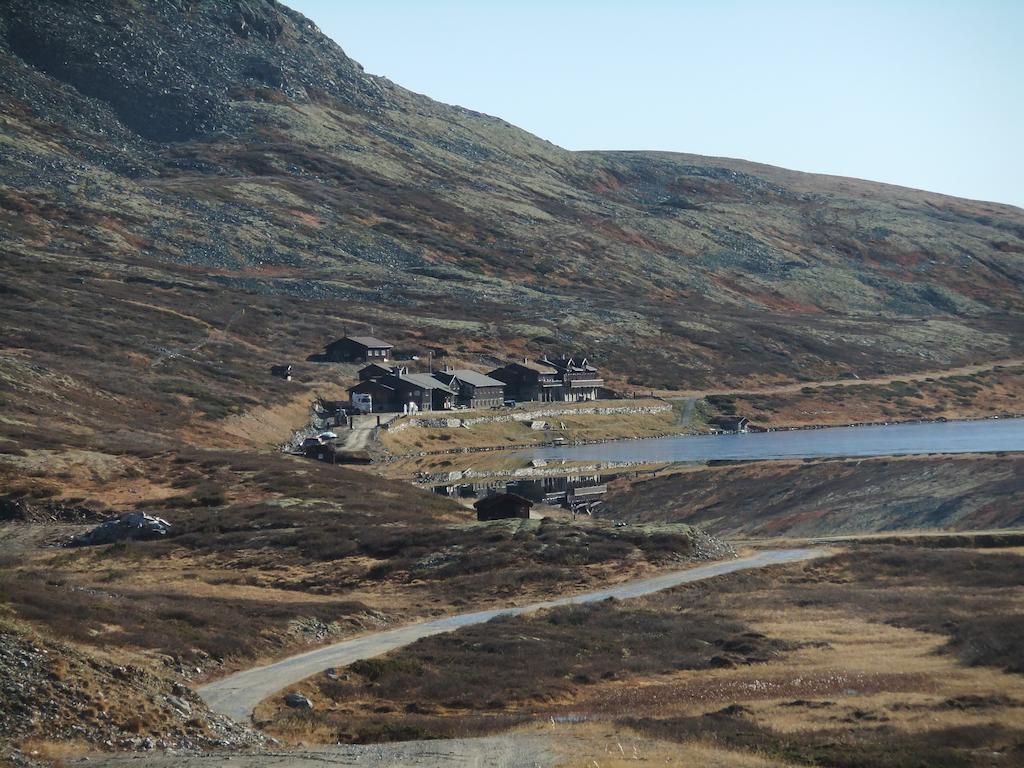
<point>237,695</point>
<point>965,370</point>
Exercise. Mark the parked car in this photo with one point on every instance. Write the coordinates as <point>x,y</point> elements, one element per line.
<point>510,403</point>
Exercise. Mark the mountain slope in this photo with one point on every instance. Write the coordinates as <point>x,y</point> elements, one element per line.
<point>192,190</point>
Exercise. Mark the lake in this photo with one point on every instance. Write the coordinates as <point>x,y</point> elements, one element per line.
<point>987,436</point>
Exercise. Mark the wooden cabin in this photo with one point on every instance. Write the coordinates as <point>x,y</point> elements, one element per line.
<point>358,349</point>
<point>730,423</point>
<point>503,506</point>
<point>374,371</point>
<point>563,379</point>
<point>395,392</point>
<point>473,389</point>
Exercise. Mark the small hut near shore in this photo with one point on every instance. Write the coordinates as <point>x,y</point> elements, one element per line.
<point>503,506</point>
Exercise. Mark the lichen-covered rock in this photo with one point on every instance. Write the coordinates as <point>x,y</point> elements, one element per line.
<point>298,701</point>
<point>136,526</point>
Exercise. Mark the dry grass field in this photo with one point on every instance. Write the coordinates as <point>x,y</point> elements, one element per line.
<point>883,656</point>
<point>570,427</point>
<point>269,554</point>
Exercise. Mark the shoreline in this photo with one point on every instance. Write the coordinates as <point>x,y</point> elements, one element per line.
<point>390,457</point>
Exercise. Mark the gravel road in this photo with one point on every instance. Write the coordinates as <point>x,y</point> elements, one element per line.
<point>513,750</point>
<point>361,435</point>
<point>237,695</point>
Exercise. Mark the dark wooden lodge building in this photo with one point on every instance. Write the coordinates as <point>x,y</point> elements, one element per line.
<point>563,380</point>
<point>395,391</point>
<point>358,349</point>
<point>474,390</point>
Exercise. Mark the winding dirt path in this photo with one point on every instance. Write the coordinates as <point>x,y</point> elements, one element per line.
<point>238,694</point>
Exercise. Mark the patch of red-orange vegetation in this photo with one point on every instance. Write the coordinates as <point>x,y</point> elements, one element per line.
<point>305,217</point>
<point>617,234</point>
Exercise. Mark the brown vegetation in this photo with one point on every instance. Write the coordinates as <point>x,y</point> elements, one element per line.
<point>286,207</point>
<point>833,496</point>
<point>884,656</point>
<point>268,553</point>
<point>998,391</point>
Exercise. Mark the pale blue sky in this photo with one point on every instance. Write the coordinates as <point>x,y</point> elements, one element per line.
<point>923,94</point>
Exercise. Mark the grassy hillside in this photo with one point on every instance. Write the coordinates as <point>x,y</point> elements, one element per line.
<point>172,228</point>
<point>833,496</point>
<point>194,190</point>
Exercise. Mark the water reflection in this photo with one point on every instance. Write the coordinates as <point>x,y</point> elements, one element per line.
<point>581,493</point>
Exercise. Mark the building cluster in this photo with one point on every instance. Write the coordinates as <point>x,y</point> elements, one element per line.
<point>392,388</point>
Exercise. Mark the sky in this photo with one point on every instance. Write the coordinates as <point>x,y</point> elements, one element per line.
<point>922,94</point>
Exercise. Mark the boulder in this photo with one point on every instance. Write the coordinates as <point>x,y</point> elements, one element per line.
<point>133,525</point>
<point>298,701</point>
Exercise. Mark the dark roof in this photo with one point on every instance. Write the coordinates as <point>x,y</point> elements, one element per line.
<point>426,381</point>
<point>489,502</point>
<point>475,378</point>
<point>381,383</point>
<point>393,382</point>
<point>536,366</point>
<point>385,370</point>
<point>571,364</point>
<point>365,341</point>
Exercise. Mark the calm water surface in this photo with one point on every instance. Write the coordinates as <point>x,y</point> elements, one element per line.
<point>985,436</point>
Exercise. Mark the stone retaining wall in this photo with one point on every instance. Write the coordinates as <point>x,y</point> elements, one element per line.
<point>442,478</point>
<point>454,423</point>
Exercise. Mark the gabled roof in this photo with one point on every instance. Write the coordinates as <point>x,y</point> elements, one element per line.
<point>381,383</point>
<point>392,382</point>
<point>375,367</point>
<point>370,342</point>
<point>426,381</point>
<point>533,365</point>
<point>571,364</point>
<point>473,378</point>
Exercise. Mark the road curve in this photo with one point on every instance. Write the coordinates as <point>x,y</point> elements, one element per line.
<point>238,694</point>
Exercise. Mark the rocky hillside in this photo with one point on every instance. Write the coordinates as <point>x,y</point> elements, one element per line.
<point>191,190</point>
<point>52,692</point>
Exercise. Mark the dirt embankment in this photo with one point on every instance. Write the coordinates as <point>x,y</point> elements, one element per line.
<point>58,697</point>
